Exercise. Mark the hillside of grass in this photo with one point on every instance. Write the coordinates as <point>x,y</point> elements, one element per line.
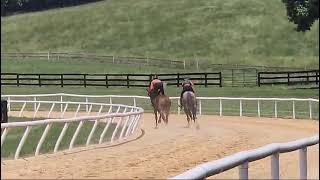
<point>250,32</point>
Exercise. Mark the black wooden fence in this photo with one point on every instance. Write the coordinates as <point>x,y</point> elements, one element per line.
<point>289,78</point>
<point>107,80</point>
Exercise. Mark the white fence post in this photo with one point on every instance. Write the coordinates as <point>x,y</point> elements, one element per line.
<point>35,104</point>
<point>184,64</point>
<point>3,135</point>
<point>134,102</point>
<point>86,104</point>
<point>44,135</point>
<point>275,166</point>
<point>61,105</point>
<point>275,109</point>
<point>200,108</point>
<point>310,109</point>
<point>9,104</point>
<point>259,108</point>
<point>240,107</point>
<point>303,163</point>
<point>243,171</point>
<point>293,110</point>
<point>22,141</point>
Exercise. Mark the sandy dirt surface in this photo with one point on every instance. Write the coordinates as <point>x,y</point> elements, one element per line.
<point>170,150</point>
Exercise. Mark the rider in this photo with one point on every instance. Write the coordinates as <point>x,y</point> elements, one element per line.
<point>187,85</point>
<point>156,84</point>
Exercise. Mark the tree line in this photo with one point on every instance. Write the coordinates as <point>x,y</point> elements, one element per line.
<point>9,7</point>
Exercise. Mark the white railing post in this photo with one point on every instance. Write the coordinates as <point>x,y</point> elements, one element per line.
<point>310,109</point>
<point>200,107</point>
<point>303,163</point>
<point>240,107</point>
<point>259,108</point>
<point>134,102</point>
<point>220,105</point>
<point>275,166</point>
<point>23,106</point>
<point>86,104</point>
<point>110,100</point>
<point>22,141</point>
<point>64,110</point>
<point>78,108</point>
<point>293,110</point>
<point>60,137</point>
<point>35,104</point>
<point>105,130</point>
<point>9,104</point>
<point>44,135</point>
<point>243,171</point>
<point>61,105</point>
<point>75,135</point>
<point>53,104</point>
<point>3,135</point>
<point>275,109</point>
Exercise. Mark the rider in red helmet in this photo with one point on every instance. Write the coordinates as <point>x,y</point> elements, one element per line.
<point>187,85</point>
<point>156,85</point>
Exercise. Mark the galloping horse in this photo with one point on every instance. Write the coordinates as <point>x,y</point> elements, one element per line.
<point>161,104</point>
<point>189,103</point>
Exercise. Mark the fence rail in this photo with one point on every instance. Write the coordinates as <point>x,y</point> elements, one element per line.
<point>309,106</point>
<point>106,80</point>
<point>288,77</point>
<point>125,117</point>
<point>242,160</point>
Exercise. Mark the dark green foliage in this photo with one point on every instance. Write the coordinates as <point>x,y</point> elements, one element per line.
<point>302,12</point>
<point>9,7</point>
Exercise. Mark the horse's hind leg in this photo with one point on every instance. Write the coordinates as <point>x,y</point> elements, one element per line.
<point>156,117</point>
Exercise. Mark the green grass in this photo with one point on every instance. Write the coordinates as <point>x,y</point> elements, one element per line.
<point>14,135</point>
<point>251,32</point>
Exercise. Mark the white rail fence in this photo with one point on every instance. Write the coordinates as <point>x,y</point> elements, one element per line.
<point>125,117</point>
<point>205,104</point>
<point>242,160</point>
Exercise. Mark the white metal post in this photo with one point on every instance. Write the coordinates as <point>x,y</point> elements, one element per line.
<point>275,109</point>
<point>303,163</point>
<point>200,107</point>
<point>240,107</point>
<point>293,110</point>
<point>86,104</point>
<point>22,141</point>
<point>35,104</point>
<point>258,108</point>
<point>3,135</point>
<point>60,137</point>
<point>134,102</point>
<point>243,171</point>
<point>310,109</point>
<point>61,106</point>
<point>275,166</point>
<point>44,135</point>
<point>9,104</point>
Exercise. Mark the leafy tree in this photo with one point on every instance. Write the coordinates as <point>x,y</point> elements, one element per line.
<point>302,12</point>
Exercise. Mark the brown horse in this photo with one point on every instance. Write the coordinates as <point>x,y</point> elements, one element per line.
<point>161,104</point>
<point>189,102</point>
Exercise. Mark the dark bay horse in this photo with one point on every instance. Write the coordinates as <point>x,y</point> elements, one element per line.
<point>161,104</point>
<point>189,103</point>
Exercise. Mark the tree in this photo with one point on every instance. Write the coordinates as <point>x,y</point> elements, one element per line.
<point>302,12</point>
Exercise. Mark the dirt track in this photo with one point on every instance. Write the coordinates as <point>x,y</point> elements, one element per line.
<point>168,151</point>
